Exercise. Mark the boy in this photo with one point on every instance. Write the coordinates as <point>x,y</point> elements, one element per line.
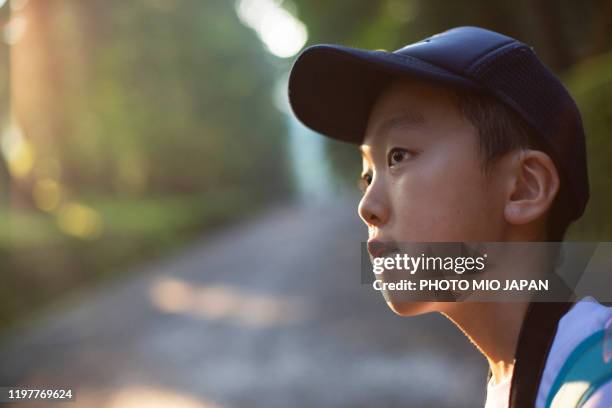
<point>467,137</point>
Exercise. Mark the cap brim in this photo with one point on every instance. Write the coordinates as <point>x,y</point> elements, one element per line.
<point>332,88</point>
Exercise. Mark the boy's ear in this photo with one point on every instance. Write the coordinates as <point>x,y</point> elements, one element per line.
<point>533,188</point>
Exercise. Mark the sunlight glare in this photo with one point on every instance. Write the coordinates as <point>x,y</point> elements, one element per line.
<point>80,221</point>
<point>149,397</point>
<point>15,29</point>
<point>282,33</point>
<point>17,150</point>
<point>47,194</point>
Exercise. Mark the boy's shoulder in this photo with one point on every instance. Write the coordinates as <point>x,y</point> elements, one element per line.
<point>578,368</point>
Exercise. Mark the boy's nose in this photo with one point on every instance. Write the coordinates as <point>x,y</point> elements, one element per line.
<point>372,208</point>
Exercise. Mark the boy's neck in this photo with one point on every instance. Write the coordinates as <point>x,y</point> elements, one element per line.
<point>494,328</point>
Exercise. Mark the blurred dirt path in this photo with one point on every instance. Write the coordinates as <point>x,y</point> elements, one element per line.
<point>269,313</point>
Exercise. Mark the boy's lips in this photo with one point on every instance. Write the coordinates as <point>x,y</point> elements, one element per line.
<point>379,249</point>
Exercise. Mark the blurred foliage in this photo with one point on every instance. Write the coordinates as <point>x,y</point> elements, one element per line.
<point>573,38</point>
<point>590,82</point>
<point>157,97</point>
<point>136,126</point>
<point>42,264</point>
<point>4,103</point>
<point>562,31</point>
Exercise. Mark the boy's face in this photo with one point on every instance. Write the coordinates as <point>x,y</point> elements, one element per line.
<point>427,179</point>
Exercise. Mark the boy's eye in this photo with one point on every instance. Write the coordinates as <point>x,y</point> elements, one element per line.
<point>364,181</point>
<point>397,155</point>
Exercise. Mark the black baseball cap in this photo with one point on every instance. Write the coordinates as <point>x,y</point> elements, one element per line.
<point>332,89</point>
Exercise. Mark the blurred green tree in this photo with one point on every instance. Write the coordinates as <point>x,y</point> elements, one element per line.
<point>157,97</point>
<point>138,124</point>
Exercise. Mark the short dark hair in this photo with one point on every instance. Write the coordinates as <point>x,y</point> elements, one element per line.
<point>501,130</point>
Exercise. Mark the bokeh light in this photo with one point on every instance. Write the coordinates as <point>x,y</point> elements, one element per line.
<point>281,32</point>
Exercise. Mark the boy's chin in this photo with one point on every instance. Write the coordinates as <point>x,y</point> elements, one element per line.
<point>407,309</point>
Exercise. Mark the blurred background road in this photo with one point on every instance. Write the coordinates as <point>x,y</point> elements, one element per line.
<point>270,313</point>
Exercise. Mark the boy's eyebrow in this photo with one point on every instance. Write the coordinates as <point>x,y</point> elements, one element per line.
<point>406,119</point>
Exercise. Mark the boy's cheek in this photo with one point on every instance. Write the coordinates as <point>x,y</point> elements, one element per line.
<point>444,212</point>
